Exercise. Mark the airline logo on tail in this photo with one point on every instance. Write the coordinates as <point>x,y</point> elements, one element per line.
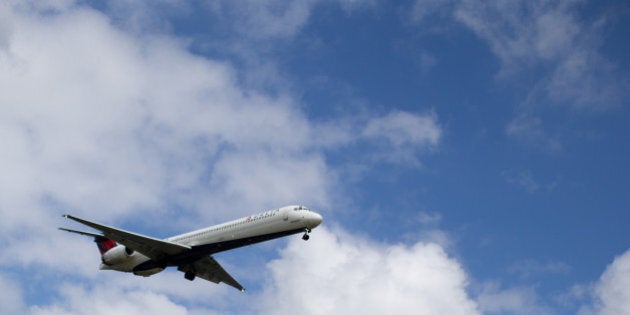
<point>104,244</point>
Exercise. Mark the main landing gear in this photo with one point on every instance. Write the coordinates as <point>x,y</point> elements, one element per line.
<point>189,275</point>
<point>306,236</point>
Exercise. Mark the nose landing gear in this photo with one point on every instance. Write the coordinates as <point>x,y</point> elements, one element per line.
<point>306,236</point>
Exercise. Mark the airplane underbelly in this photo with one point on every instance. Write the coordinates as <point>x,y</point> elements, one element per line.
<point>127,264</point>
<point>148,272</point>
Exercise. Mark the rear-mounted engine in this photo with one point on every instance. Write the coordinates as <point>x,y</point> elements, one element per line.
<point>117,255</point>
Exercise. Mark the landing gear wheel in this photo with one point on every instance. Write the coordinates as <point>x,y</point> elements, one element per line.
<point>305,236</point>
<point>189,275</point>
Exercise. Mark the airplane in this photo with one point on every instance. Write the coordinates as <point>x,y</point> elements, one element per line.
<point>192,252</point>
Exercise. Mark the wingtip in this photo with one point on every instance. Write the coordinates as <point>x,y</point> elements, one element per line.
<point>69,216</point>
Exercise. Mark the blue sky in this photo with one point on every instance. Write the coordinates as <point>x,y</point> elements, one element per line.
<point>469,157</point>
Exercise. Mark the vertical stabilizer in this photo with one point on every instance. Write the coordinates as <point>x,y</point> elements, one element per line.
<point>104,244</point>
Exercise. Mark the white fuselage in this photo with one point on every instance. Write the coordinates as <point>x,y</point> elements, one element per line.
<point>259,227</point>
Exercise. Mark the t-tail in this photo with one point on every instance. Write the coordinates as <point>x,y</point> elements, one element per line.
<point>104,244</point>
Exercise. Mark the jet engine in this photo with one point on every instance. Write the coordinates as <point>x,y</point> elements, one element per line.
<point>117,255</point>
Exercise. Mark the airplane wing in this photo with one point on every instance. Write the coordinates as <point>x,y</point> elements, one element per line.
<point>153,248</point>
<point>209,269</point>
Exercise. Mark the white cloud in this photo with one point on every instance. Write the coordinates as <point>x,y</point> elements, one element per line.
<point>336,273</point>
<point>269,19</point>
<point>103,300</point>
<point>405,134</point>
<point>517,300</point>
<point>274,19</point>
<point>523,33</point>
<point>149,17</point>
<point>585,80</point>
<point>291,179</point>
<point>11,301</point>
<point>612,292</point>
<point>550,41</point>
<point>403,128</point>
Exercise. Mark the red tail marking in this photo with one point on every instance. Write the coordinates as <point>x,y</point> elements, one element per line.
<point>104,244</point>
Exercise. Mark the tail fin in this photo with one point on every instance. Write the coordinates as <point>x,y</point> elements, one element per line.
<point>104,244</point>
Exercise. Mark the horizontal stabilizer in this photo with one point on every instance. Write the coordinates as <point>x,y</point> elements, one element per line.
<point>104,244</point>
<point>83,233</point>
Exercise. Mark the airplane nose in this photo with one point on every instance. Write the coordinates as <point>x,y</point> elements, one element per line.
<point>314,219</point>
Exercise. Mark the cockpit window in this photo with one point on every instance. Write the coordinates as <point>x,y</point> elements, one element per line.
<point>299,208</point>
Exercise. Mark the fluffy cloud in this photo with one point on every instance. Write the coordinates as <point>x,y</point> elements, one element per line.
<point>340,273</point>
<point>79,300</point>
<point>612,292</point>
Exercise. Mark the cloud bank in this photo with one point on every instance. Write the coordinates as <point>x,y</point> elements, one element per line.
<point>612,291</point>
<point>342,273</point>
